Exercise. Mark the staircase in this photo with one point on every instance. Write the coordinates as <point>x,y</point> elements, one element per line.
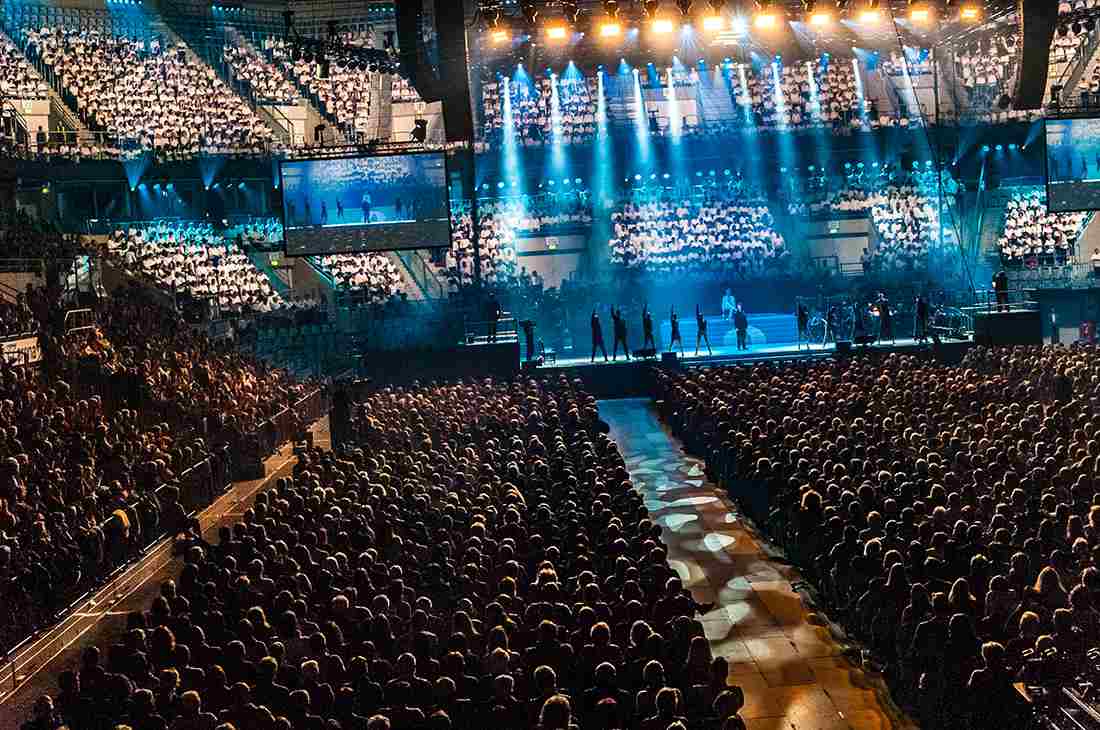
<point>1090,60</point>
<point>714,102</point>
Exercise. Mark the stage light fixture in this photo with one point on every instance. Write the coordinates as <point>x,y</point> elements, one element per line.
<point>530,11</point>
<point>684,6</point>
<point>663,26</point>
<point>970,11</point>
<point>571,10</point>
<point>819,14</point>
<point>610,28</point>
<point>650,8</point>
<point>767,16</point>
<point>611,8</point>
<point>500,36</point>
<point>557,31</point>
<point>920,11</point>
<point>871,12</point>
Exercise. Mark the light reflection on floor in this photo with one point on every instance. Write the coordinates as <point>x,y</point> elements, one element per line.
<point>793,673</point>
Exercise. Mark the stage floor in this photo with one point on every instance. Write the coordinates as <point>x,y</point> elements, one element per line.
<point>726,354</point>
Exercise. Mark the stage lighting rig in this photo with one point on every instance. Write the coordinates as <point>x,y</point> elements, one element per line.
<point>921,11</point>
<point>684,6</point>
<point>650,8</point>
<point>715,20</point>
<point>820,13</point>
<point>610,27</point>
<point>766,16</point>
<point>971,11</point>
<point>529,9</point>
<point>570,10</point>
<point>871,12</point>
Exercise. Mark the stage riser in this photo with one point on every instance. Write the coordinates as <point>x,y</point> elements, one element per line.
<point>764,329</point>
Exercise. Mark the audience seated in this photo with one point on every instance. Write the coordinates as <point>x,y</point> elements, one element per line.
<point>112,414</point>
<point>728,236</point>
<point>984,68</point>
<point>477,552</point>
<point>24,237</point>
<point>342,87</point>
<point>372,273</point>
<point>18,79</point>
<point>946,514</point>
<point>190,257</point>
<point>1033,237</point>
<point>149,93</point>
<point>268,84</point>
<point>403,91</point>
<point>907,223</point>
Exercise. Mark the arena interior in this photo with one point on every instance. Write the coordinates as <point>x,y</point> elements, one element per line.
<point>513,364</point>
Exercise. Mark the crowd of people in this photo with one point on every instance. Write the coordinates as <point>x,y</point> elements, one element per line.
<point>1033,237</point>
<point>266,83</point>
<point>907,223</point>
<point>149,92</point>
<point>817,93</point>
<point>374,275</point>
<point>18,79</point>
<point>190,257</point>
<point>731,236</point>
<point>532,107</point>
<point>341,86</point>
<point>476,554</point>
<point>984,67</point>
<point>113,412</point>
<point>947,514</point>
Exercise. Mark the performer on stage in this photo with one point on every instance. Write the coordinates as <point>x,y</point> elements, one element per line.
<point>619,327</point>
<point>647,328</point>
<point>492,314</point>
<point>597,336</point>
<point>324,213</point>
<point>366,205</point>
<point>729,305</point>
<point>920,329</point>
<point>339,210</point>
<point>741,324</point>
<point>885,319</point>
<point>1000,286</point>
<point>309,212</point>
<point>701,330</point>
<point>803,315</point>
<point>675,338</point>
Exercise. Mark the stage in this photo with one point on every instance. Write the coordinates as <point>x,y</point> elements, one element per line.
<point>624,378</point>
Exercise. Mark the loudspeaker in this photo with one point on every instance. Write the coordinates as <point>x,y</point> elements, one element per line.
<point>1008,328</point>
<point>450,24</point>
<point>1038,19</point>
<point>843,347</point>
<point>409,17</point>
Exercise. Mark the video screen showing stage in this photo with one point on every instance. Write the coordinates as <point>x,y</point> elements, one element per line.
<point>357,204</point>
<point>1073,165</point>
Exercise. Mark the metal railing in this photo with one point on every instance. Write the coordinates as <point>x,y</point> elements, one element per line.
<point>124,537</point>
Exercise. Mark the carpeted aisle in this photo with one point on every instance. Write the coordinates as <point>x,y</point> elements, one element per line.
<point>793,674</point>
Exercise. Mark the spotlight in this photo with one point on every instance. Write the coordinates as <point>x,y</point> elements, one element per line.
<point>500,36</point>
<point>571,10</point>
<point>920,11</point>
<point>557,31</point>
<point>650,7</point>
<point>611,7</point>
<point>663,26</point>
<point>610,29</point>
<point>970,11</point>
<point>766,15</point>
<point>819,14</point>
<point>713,23</point>
<point>684,6</point>
<point>871,12</point>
